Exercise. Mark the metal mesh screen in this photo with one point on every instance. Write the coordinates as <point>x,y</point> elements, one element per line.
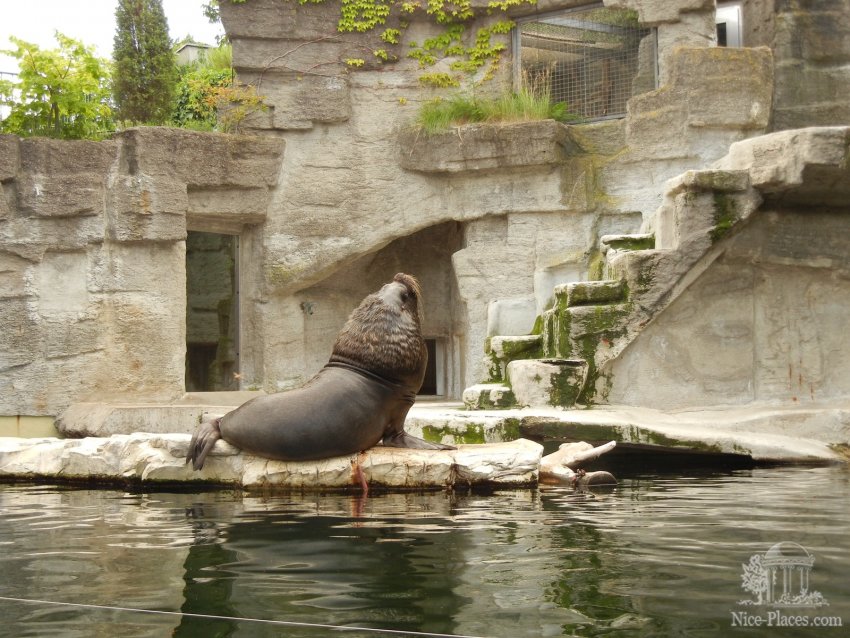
<point>591,57</point>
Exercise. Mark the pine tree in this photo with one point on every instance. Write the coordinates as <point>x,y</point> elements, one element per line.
<point>145,72</point>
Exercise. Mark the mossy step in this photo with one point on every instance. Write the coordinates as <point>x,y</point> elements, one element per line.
<point>590,293</point>
<point>507,348</point>
<point>552,382</point>
<point>620,243</point>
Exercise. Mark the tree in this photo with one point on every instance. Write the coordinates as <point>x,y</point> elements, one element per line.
<point>145,71</point>
<point>754,578</point>
<point>60,92</point>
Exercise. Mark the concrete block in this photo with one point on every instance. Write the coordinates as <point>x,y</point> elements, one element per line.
<point>511,316</point>
<point>9,157</point>
<point>589,293</point>
<point>53,157</point>
<point>142,208</point>
<point>200,159</point>
<point>478,147</point>
<point>803,165</point>
<point>74,195</point>
<point>488,396</point>
<point>547,382</point>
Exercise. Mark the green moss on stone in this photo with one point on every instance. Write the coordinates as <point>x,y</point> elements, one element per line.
<point>725,216</point>
<point>538,326</point>
<point>472,433</point>
<point>509,430</point>
<point>566,386</point>
<point>633,243</point>
<point>279,275</point>
<point>596,267</point>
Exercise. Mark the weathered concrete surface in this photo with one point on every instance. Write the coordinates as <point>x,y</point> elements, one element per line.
<point>91,234</point>
<point>813,62</point>
<point>480,147</point>
<point>92,257</point>
<point>158,458</point>
<point>746,299</point>
<point>763,433</point>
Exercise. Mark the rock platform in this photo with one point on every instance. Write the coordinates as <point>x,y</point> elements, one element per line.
<point>149,459</point>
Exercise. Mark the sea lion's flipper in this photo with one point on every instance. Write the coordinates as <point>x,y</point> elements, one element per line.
<point>203,440</point>
<point>403,439</point>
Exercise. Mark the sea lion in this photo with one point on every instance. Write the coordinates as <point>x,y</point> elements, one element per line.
<point>361,396</point>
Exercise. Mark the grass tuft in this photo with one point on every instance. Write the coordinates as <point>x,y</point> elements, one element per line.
<point>525,105</point>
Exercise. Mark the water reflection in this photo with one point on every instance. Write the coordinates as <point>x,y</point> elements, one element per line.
<point>655,556</point>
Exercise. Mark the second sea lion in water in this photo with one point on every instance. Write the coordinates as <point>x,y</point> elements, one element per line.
<point>360,398</point>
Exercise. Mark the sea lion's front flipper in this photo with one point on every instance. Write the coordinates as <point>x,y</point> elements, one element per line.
<point>203,441</point>
<point>403,439</point>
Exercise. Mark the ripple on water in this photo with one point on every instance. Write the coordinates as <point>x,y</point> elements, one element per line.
<point>657,555</point>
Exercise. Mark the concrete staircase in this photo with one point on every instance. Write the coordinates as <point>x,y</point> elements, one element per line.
<point>556,365</point>
<point>590,322</point>
<point>571,354</point>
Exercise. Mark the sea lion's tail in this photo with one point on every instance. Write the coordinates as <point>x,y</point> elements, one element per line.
<point>203,440</point>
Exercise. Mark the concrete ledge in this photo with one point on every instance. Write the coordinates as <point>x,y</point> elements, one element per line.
<point>812,433</point>
<point>480,147</point>
<point>765,434</point>
<point>160,459</point>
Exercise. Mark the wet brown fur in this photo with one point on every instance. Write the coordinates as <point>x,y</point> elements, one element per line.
<point>384,337</point>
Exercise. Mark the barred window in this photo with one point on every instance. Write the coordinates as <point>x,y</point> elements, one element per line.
<point>591,57</point>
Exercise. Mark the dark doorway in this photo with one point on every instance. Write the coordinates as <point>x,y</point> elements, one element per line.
<point>434,383</point>
<point>212,318</point>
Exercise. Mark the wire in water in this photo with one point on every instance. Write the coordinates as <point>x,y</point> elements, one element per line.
<point>284,623</point>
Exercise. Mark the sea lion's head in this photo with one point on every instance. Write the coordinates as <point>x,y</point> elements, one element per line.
<point>383,334</point>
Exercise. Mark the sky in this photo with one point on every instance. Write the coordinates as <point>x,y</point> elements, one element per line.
<point>92,21</point>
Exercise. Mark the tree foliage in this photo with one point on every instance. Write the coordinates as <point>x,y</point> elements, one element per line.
<point>207,97</point>
<point>61,92</point>
<point>197,95</point>
<point>145,71</point>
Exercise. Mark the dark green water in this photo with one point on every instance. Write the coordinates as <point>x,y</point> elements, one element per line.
<point>657,556</point>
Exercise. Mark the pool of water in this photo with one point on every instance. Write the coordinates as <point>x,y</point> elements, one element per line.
<point>659,555</point>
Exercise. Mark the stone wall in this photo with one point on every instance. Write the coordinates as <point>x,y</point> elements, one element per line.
<point>811,44</point>
<point>531,200</point>
<point>763,325</point>
<point>92,258</point>
<point>764,321</point>
<point>490,217</point>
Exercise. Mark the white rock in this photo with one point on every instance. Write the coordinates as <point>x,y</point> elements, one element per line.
<point>150,458</point>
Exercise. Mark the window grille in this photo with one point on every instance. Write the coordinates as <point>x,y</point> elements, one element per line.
<point>591,57</point>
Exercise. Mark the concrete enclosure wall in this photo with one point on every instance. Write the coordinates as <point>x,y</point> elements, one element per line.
<point>335,192</point>
<point>92,262</point>
<point>762,325</point>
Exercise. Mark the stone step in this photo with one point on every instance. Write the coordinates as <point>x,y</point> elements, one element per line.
<point>508,348</point>
<point>488,396</point>
<point>501,350</point>
<point>541,383</point>
<point>622,243</point>
<point>590,293</point>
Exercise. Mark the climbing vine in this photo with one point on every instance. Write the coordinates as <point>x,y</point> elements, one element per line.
<point>468,54</point>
